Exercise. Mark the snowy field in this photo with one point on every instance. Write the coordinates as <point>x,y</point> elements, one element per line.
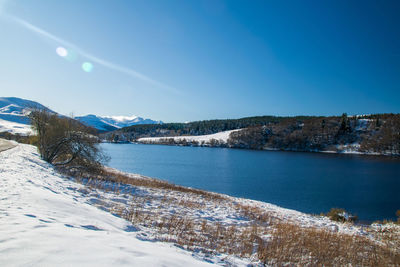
<point>221,137</point>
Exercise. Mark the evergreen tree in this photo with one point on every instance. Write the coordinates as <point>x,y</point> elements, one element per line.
<point>344,123</point>
<point>378,123</point>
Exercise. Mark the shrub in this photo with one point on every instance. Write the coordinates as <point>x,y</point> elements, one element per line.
<point>341,215</point>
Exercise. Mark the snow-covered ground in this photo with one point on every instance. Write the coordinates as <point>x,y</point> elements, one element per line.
<point>15,127</point>
<point>221,137</point>
<point>45,221</point>
<point>5,144</point>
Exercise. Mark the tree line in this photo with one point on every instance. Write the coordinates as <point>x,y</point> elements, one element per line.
<point>134,132</point>
<point>377,133</point>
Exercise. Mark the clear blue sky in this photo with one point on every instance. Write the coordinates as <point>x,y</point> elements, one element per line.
<point>193,60</point>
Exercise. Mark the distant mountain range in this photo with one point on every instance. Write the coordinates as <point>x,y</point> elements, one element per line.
<point>110,123</point>
<point>14,117</point>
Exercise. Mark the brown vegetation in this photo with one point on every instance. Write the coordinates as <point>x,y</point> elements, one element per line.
<point>64,141</point>
<point>318,247</point>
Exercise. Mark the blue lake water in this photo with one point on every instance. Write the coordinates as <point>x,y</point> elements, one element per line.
<point>310,182</point>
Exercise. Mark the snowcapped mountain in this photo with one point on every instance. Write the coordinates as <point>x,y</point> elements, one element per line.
<point>110,123</point>
<point>14,113</point>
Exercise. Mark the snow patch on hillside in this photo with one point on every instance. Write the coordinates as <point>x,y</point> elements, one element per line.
<point>15,128</point>
<point>363,124</point>
<point>123,118</point>
<point>221,137</point>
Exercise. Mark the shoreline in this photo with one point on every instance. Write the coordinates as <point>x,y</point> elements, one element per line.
<point>286,214</point>
<point>376,154</point>
<point>267,205</point>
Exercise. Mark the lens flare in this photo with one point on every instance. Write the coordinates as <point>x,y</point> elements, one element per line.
<point>87,66</point>
<point>61,51</point>
<point>72,55</point>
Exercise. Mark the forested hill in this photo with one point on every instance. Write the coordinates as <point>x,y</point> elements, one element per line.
<point>378,133</point>
<point>195,128</point>
<point>375,134</point>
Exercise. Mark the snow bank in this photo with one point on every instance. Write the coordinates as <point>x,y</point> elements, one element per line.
<point>46,222</point>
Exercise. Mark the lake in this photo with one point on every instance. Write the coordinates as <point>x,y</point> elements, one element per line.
<point>367,186</point>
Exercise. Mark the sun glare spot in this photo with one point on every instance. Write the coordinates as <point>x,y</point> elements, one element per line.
<point>87,66</point>
<point>61,51</point>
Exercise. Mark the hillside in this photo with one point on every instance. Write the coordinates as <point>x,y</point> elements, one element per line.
<point>14,115</point>
<point>372,134</point>
<point>205,127</point>
<point>16,109</point>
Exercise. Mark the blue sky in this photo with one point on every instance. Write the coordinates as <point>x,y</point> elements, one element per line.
<point>195,60</point>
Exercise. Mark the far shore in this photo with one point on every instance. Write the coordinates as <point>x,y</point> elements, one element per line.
<point>344,152</point>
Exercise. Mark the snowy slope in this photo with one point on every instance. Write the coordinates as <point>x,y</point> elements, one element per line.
<point>14,114</point>
<point>221,137</point>
<point>19,102</point>
<point>109,123</point>
<point>6,144</point>
<point>46,222</point>
<point>97,122</point>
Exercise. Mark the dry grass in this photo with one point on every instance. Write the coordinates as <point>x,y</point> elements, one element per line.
<point>318,247</point>
<point>196,235</point>
<point>279,244</point>
<point>265,238</point>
